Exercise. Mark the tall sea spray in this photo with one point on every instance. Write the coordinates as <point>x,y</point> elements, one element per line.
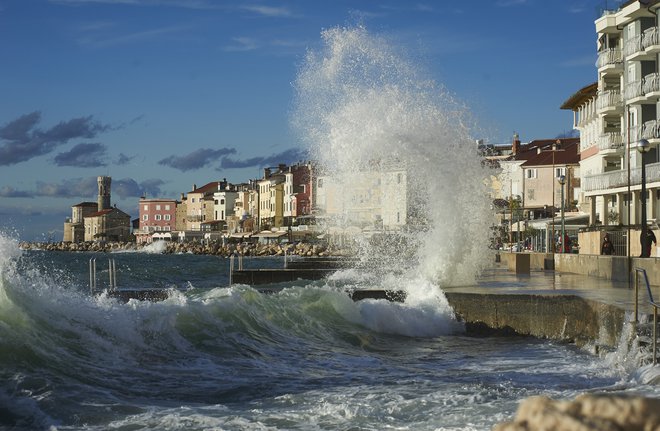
<point>360,102</point>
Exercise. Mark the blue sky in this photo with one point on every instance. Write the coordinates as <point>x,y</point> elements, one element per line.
<point>163,94</point>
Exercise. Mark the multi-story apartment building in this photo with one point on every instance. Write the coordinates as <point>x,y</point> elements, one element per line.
<point>297,192</point>
<point>223,204</point>
<point>155,215</point>
<point>271,198</point>
<point>199,204</point>
<point>615,113</point>
<point>376,198</point>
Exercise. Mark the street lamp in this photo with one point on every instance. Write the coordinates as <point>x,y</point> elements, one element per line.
<point>643,147</point>
<point>562,181</point>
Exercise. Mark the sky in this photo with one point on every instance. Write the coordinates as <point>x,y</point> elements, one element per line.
<point>164,94</point>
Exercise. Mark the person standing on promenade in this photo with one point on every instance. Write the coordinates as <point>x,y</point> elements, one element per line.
<point>607,248</point>
<point>646,242</point>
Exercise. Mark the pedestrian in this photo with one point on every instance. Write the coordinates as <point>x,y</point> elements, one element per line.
<point>646,242</point>
<point>607,248</point>
<point>566,244</point>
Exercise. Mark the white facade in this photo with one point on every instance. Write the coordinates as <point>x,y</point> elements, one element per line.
<point>223,204</point>
<point>378,199</point>
<point>623,109</point>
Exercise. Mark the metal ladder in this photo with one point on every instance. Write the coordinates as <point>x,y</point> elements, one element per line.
<point>112,274</point>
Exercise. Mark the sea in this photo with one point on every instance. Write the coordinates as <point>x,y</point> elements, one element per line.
<point>219,357</point>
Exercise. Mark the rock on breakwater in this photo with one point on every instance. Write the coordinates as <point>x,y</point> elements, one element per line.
<point>595,412</point>
<point>215,248</point>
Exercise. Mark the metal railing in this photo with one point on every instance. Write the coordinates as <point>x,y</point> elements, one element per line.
<point>655,309</point>
<point>619,178</point>
<point>610,56</point>
<point>232,258</point>
<point>112,275</point>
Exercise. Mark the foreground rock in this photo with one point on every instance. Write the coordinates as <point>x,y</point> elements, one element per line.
<point>602,412</point>
<point>211,248</point>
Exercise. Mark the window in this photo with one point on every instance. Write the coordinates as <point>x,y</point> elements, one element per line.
<point>398,178</point>
<point>146,207</point>
<point>167,217</point>
<point>530,173</point>
<point>158,217</point>
<point>157,207</point>
<point>167,207</point>
<point>320,183</point>
<point>222,201</point>
<point>145,217</point>
<point>559,172</point>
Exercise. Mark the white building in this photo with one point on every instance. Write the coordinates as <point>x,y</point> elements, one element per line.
<point>374,199</point>
<point>619,110</point>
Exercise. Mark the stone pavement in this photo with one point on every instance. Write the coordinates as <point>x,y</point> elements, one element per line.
<point>499,280</point>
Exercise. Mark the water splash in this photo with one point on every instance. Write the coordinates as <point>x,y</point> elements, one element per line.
<point>361,105</point>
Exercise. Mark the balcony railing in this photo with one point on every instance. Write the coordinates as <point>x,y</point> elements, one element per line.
<point>650,37</point>
<point>634,89</point>
<point>651,83</point>
<point>633,46</point>
<point>610,56</point>
<point>608,99</point>
<point>651,129</point>
<point>619,178</point>
<point>610,141</point>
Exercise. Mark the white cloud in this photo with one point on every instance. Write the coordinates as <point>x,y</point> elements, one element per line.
<point>241,44</point>
<point>269,11</point>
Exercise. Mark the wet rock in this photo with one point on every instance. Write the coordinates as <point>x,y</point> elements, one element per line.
<point>602,412</point>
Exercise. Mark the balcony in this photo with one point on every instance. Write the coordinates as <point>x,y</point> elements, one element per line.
<point>634,49</point>
<point>619,178</point>
<point>610,141</point>
<point>610,60</point>
<point>634,91</point>
<point>651,130</point>
<point>609,101</point>
<point>651,40</point>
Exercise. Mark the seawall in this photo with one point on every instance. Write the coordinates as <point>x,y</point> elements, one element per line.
<point>566,318</point>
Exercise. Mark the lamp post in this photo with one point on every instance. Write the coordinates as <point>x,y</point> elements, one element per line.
<point>562,181</point>
<point>555,148</point>
<point>643,147</point>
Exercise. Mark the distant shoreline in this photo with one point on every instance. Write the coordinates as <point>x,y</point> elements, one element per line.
<point>214,248</point>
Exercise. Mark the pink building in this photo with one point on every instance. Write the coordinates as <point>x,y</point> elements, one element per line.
<point>156,215</point>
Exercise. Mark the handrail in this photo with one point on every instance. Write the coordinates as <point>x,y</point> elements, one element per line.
<point>655,310</point>
<point>112,275</point>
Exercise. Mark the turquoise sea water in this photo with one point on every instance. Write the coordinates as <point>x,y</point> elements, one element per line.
<point>213,357</point>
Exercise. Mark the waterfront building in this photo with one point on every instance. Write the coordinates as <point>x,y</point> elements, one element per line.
<point>74,227</point>
<point>181,213</point>
<point>271,198</point>
<point>199,204</point>
<point>616,112</point>
<point>374,199</point>
<point>297,193</point>
<point>109,224</point>
<point>155,215</point>
<point>98,221</point>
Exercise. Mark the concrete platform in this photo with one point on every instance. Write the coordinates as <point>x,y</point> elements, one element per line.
<point>567,307</point>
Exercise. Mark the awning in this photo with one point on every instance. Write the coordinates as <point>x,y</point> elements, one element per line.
<point>268,234</point>
<point>240,235</point>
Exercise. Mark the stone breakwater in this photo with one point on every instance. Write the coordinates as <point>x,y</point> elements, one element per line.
<point>212,248</point>
<point>597,412</point>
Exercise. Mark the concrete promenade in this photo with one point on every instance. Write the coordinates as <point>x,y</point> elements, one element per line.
<point>573,308</point>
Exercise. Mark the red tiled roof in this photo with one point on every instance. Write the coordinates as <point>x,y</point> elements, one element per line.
<point>100,213</point>
<point>206,188</point>
<point>87,204</point>
<point>566,154</point>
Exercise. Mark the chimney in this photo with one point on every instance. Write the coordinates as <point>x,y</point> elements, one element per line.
<point>194,187</point>
<point>515,146</point>
<point>266,173</point>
